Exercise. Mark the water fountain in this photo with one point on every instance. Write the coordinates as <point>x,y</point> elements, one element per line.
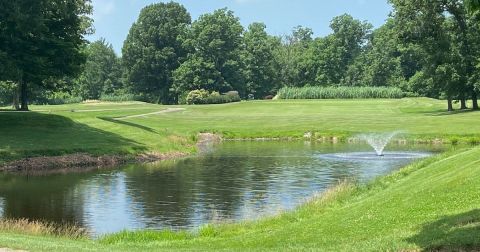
<point>378,141</point>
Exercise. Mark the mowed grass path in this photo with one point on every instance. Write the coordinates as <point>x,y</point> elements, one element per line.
<point>431,205</point>
<point>92,128</point>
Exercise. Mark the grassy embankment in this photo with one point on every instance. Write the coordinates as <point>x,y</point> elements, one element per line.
<point>433,204</point>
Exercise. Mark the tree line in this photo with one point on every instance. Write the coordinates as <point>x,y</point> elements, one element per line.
<point>426,48</point>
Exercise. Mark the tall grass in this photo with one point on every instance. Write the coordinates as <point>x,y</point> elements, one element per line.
<point>120,98</point>
<point>340,93</point>
<point>24,226</point>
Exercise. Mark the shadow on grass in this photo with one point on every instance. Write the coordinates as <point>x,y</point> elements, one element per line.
<point>451,233</point>
<point>447,113</point>
<point>138,126</point>
<point>24,135</point>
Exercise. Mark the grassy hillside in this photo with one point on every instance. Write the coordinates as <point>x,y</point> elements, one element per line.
<point>93,128</point>
<point>431,205</point>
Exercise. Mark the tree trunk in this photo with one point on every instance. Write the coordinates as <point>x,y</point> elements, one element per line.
<point>450,104</point>
<point>16,97</point>
<point>463,103</point>
<point>474,101</point>
<point>23,95</point>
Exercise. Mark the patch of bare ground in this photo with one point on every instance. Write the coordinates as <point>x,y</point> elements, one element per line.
<point>81,162</point>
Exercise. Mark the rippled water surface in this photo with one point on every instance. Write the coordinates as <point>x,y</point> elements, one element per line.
<point>236,181</point>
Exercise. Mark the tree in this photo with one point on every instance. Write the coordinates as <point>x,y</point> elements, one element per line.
<point>379,63</point>
<point>445,32</point>
<point>42,39</point>
<point>154,48</point>
<point>473,5</point>
<point>260,66</point>
<point>332,55</point>
<point>101,73</point>
<point>215,41</point>
<point>292,58</point>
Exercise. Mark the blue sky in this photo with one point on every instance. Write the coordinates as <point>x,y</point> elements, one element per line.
<point>113,18</point>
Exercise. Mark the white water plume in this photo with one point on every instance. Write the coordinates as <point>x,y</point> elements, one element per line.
<point>378,141</point>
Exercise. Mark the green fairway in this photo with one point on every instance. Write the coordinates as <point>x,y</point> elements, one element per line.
<point>93,128</point>
<point>432,204</point>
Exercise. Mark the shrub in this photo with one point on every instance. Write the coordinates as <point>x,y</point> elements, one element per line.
<point>204,97</point>
<point>197,97</point>
<point>340,93</point>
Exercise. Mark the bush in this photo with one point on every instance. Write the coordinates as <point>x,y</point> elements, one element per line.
<point>204,97</point>
<point>197,97</point>
<point>340,93</point>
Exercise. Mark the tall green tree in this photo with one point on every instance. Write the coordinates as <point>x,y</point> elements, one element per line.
<point>379,63</point>
<point>332,55</point>
<point>443,30</point>
<point>154,48</point>
<point>41,40</point>
<point>292,58</point>
<point>214,64</point>
<point>261,68</point>
<point>101,73</point>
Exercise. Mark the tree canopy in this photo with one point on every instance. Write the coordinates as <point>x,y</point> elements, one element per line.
<point>101,73</point>
<point>425,48</point>
<point>214,63</point>
<point>42,39</point>
<point>154,48</point>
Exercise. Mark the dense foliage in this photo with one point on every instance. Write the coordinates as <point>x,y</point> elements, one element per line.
<point>425,48</point>
<point>340,92</point>
<point>42,40</point>
<point>101,73</point>
<point>154,49</point>
<point>202,96</point>
<point>214,63</point>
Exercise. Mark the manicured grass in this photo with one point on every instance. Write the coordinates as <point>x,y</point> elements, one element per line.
<point>92,128</point>
<point>430,205</point>
<point>433,204</point>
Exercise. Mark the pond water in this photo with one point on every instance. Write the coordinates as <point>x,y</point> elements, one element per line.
<point>234,181</point>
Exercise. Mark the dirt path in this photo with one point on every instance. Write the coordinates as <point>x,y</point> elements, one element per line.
<point>165,111</point>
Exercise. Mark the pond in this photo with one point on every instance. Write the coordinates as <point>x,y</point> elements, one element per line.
<point>235,181</point>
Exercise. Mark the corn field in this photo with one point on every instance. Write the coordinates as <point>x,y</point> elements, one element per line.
<point>340,93</point>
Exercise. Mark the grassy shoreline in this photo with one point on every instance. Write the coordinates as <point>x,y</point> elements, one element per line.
<point>347,217</point>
